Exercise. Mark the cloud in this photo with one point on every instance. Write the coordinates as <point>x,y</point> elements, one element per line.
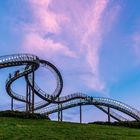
<point>44,19</point>
<point>94,34</point>
<point>136,44</point>
<point>37,44</point>
<point>77,31</point>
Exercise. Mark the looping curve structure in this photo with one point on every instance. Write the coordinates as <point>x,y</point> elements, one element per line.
<point>30,63</point>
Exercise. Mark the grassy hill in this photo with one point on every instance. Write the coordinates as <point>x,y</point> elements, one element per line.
<point>41,129</point>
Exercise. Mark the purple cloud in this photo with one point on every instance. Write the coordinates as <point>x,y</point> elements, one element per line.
<point>78,29</point>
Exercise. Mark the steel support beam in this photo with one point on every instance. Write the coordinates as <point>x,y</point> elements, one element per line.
<point>108,114</point>
<point>61,113</point>
<point>80,113</point>
<point>33,79</point>
<point>27,96</point>
<point>58,110</point>
<point>12,103</point>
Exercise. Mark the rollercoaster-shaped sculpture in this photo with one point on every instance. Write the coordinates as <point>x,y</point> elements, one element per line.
<point>31,63</point>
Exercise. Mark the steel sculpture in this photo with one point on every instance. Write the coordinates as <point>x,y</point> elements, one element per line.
<point>31,63</point>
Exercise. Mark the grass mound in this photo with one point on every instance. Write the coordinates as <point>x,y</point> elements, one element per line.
<point>24,115</point>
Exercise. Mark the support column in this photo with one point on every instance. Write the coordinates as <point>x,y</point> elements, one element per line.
<point>80,113</point>
<point>27,96</point>
<point>58,110</point>
<point>33,77</point>
<point>61,113</point>
<point>12,103</point>
<point>108,114</point>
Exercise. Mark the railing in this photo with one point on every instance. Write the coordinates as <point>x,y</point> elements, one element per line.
<point>97,101</point>
<point>117,103</point>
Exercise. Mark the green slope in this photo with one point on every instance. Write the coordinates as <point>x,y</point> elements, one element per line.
<point>31,129</point>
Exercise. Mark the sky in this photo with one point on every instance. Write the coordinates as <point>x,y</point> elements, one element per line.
<point>94,43</point>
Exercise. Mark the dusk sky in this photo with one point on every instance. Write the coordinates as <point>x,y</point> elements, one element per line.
<point>94,43</point>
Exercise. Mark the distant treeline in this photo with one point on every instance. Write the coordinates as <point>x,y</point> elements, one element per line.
<point>24,115</point>
<point>131,124</point>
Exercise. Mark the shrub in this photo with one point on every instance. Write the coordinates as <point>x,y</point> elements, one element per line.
<point>25,115</point>
<point>131,124</point>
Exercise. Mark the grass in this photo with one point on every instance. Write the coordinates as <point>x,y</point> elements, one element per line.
<point>31,129</point>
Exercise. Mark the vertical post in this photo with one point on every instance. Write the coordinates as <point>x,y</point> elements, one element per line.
<point>61,113</point>
<point>108,114</point>
<point>80,113</point>
<point>12,102</point>
<point>27,94</point>
<point>58,110</point>
<point>33,77</point>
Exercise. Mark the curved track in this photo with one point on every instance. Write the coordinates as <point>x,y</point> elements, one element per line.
<point>54,108</point>
<point>31,63</point>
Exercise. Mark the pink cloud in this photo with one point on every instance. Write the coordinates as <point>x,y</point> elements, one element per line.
<point>44,19</point>
<point>94,34</point>
<point>72,20</point>
<point>36,43</point>
<point>99,21</point>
